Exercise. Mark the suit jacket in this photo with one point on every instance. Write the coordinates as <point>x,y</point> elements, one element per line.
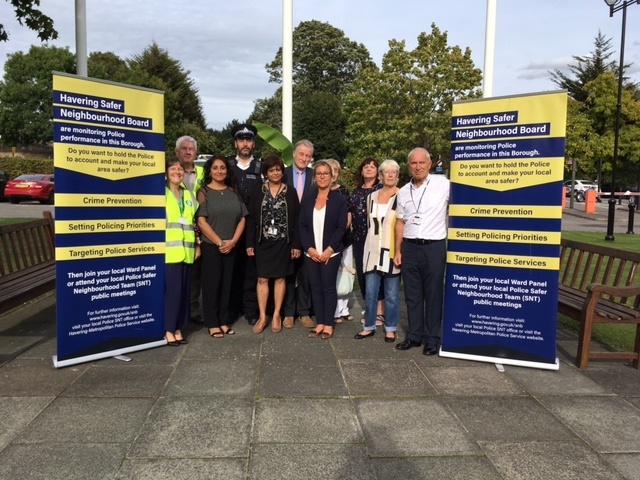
<point>335,222</point>
<point>289,179</point>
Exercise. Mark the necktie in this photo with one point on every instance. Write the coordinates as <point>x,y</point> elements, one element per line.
<point>299,186</point>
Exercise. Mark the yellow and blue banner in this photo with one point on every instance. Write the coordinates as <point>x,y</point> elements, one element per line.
<point>109,218</point>
<point>501,295</point>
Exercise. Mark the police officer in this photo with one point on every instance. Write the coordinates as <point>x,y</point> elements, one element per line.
<point>246,168</point>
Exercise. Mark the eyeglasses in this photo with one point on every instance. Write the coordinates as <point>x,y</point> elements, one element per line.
<point>322,174</point>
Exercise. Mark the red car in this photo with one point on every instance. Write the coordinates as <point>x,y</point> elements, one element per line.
<point>38,186</point>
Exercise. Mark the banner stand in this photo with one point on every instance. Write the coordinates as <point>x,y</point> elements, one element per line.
<point>110,353</point>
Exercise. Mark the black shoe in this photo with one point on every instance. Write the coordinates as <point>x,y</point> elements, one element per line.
<point>252,321</point>
<point>361,335</point>
<point>390,339</point>
<point>198,319</point>
<point>430,350</point>
<point>407,344</point>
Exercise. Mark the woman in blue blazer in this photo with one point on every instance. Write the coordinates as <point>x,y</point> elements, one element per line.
<point>323,221</point>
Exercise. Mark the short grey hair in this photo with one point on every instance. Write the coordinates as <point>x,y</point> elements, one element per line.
<point>419,149</point>
<point>186,138</point>
<point>305,143</point>
<point>390,163</point>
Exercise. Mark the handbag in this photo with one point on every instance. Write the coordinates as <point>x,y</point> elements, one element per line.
<point>344,284</point>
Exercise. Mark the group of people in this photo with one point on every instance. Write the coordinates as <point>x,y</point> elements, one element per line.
<point>281,234</point>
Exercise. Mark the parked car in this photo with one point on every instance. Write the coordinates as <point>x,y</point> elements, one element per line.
<point>38,186</point>
<point>580,187</point>
<point>202,159</point>
<point>3,183</point>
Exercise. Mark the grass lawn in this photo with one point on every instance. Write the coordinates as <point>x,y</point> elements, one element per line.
<point>615,337</point>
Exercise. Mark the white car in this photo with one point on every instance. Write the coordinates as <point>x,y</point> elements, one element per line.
<point>580,187</point>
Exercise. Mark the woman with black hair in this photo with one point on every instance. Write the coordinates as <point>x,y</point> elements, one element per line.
<point>221,219</point>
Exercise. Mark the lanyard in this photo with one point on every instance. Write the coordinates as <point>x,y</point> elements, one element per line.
<point>423,192</point>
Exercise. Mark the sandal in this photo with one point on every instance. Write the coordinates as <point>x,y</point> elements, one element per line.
<point>219,334</point>
<point>379,320</point>
<point>337,320</point>
<point>314,334</point>
<point>326,335</point>
<point>228,331</point>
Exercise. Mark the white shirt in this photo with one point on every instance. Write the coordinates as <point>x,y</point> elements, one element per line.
<point>424,209</point>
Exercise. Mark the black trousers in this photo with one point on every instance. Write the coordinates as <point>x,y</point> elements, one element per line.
<point>298,298</point>
<point>323,288</point>
<point>423,268</point>
<point>177,312</point>
<point>244,299</point>
<point>216,287</point>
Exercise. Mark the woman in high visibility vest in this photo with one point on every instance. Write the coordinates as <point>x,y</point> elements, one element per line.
<point>181,250</point>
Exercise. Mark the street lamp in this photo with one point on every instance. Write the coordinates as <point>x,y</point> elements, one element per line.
<point>614,6</point>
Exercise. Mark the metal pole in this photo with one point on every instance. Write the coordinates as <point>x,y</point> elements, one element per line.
<point>287,69</point>
<point>489,49</point>
<point>81,38</point>
<point>612,200</point>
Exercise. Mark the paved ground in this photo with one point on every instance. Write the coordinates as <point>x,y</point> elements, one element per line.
<point>283,406</point>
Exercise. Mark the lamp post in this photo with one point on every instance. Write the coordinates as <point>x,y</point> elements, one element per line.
<point>615,6</point>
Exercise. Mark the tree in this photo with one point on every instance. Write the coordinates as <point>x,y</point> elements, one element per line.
<point>586,69</point>
<point>319,118</point>
<point>324,59</point>
<point>407,103</point>
<point>33,18</point>
<point>154,68</point>
<point>107,66</point>
<point>26,112</point>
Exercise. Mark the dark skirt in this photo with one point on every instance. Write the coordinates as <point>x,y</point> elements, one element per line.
<point>273,258</point>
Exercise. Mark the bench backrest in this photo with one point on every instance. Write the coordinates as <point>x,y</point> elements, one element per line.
<point>26,244</point>
<point>582,264</point>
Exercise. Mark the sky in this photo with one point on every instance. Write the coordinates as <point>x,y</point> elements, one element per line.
<point>226,45</point>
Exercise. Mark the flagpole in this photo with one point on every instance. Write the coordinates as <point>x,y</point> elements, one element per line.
<point>489,49</point>
<point>287,69</point>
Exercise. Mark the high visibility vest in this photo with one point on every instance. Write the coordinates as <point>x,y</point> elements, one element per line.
<point>199,179</point>
<point>180,235</point>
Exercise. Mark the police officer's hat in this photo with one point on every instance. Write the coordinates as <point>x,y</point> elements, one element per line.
<point>244,130</point>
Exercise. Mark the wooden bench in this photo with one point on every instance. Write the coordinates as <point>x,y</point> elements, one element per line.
<point>27,261</point>
<point>599,285</point>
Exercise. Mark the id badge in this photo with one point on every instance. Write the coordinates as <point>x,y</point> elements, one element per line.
<point>183,221</point>
<point>416,220</point>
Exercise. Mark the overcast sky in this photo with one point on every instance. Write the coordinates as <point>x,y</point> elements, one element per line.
<point>225,45</point>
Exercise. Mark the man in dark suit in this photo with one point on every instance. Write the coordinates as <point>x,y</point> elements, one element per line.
<point>298,299</point>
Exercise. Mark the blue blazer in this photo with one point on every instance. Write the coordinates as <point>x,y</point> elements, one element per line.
<point>335,221</point>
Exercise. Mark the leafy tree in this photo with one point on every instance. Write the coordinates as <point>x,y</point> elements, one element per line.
<point>319,118</point>
<point>33,18</point>
<point>26,113</point>
<point>324,59</point>
<point>154,68</point>
<point>407,103</point>
<point>107,66</point>
<point>586,69</point>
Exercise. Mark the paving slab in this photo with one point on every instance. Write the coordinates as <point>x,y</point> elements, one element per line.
<point>12,346</point>
<point>301,381</point>
<point>241,346</point>
<point>43,350</point>
<point>317,462</point>
<point>305,351</point>
<point>164,355</point>
<point>88,420</point>
<point>195,427</point>
<point>181,469</point>
<point>367,349</point>
<point>436,468</point>
<point>224,377</point>
<point>483,379</point>
<point>78,461</point>
<point>28,378</point>
<point>18,412</point>
<point>547,460</point>
<point>507,419</point>
<point>619,378</point>
<point>385,378</point>
<point>123,380</point>
<point>608,424</point>
<point>299,421</point>
<point>412,428</point>
<point>569,380</point>
<point>628,464</point>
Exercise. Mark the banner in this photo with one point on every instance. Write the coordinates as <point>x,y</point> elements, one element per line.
<point>505,211</point>
<point>109,218</point>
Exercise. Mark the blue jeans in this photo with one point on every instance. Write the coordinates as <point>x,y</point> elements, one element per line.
<point>391,288</point>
